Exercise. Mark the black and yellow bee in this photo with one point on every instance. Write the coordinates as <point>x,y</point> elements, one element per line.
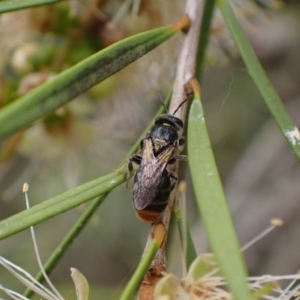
<point>153,183</point>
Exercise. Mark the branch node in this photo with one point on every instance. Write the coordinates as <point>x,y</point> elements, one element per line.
<point>183,23</point>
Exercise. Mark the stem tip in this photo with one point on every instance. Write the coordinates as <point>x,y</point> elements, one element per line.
<point>194,85</point>
<point>159,233</point>
<point>183,23</point>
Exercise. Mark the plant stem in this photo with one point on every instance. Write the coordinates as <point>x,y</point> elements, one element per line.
<point>186,68</point>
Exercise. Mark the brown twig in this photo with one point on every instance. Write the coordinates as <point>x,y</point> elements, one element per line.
<point>185,71</point>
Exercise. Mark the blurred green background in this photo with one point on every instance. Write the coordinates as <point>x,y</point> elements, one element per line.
<point>88,137</point>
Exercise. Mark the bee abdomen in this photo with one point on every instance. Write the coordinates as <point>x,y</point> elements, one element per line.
<point>151,212</point>
<point>148,216</point>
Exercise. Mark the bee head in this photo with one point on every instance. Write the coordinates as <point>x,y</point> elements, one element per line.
<point>169,120</point>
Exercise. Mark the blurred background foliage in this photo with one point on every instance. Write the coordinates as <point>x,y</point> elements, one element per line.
<point>89,136</point>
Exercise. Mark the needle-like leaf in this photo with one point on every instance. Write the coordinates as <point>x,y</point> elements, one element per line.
<point>67,85</point>
<point>212,204</point>
<point>262,82</point>
<point>11,5</point>
<point>60,203</point>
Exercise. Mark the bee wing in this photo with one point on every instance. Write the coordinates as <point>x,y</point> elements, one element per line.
<point>149,174</point>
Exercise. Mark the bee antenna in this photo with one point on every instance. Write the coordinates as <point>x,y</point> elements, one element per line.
<point>187,98</point>
<point>162,102</point>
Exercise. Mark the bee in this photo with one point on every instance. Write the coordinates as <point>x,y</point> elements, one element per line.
<point>153,183</point>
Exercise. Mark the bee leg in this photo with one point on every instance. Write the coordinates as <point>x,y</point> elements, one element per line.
<point>173,176</point>
<point>175,158</point>
<point>181,157</point>
<point>141,144</point>
<point>175,180</point>
<point>181,141</point>
<point>133,159</point>
<point>136,159</point>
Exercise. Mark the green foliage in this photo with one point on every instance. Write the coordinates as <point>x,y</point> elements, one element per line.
<point>262,82</point>
<point>212,204</point>
<point>70,83</point>
<point>140,272</point>
<point>60,203</point>
<point>11,5</point>
<point>210,197</point>
<point>185,238</point>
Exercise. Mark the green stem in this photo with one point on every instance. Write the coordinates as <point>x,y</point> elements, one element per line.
<point>186,242</point>
<point>140,272</point>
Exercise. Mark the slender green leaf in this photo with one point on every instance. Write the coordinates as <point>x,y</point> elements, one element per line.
<point>186,242</point>
<point>140,272</point>
<point>263,84</point>
<point>60,204</point>
<point>183,227</point>
<point>11,5</point>
<point>79,78</point>
<point>204,34</point>
<point>212,204</point>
